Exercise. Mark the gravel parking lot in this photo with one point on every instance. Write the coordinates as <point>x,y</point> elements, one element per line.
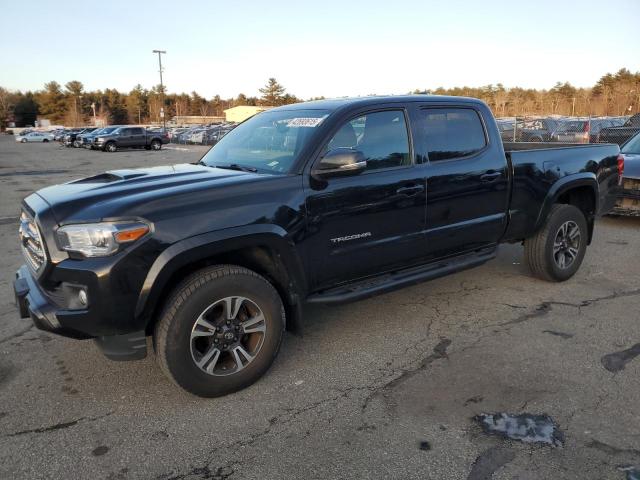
<point>383,388</point>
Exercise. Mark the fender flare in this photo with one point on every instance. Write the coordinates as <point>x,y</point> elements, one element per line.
<point>562,186</point>
<point>200,247</point>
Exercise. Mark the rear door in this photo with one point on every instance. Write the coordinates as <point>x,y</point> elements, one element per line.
<point>138,137</point>
<point>369,223</point>
<point>467,181</point>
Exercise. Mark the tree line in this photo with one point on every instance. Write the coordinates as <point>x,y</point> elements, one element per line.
<point>72,105</point>
<point>614,94</point>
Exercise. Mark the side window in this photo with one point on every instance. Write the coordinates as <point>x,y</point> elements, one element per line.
<point>137,131</point>
<point>381,137</point>
<point>452,133</point>
<point>125,131</point>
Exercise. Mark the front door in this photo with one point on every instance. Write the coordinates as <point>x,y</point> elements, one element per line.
<point>371,222</point>
<point>468,185</point>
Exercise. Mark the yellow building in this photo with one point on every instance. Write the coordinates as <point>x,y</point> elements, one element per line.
<point>242,112</point>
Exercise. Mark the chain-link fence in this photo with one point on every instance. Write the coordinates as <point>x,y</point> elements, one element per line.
<point>554,128</point>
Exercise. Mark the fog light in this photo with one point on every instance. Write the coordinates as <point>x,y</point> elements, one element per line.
<point>82,296</point>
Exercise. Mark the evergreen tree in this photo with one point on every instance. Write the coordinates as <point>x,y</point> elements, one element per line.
<point>52,102</point>
<point>272,93</point>
<point>26,110</point>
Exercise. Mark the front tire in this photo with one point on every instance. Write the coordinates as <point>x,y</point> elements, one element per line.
<point>111,147</point>
<point>556,252</point>
<point>45,141</point>
<point>24,140</point>
<point>220,330</point>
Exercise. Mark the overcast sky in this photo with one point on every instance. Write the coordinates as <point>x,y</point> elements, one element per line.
<point>330,48</point>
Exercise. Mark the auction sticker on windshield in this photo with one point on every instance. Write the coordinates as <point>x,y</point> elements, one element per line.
<point>305,122</point>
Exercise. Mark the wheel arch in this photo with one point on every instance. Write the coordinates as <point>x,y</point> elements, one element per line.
<point>580,190</point>
<point>263,249</point>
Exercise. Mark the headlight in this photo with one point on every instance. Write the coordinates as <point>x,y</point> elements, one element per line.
<point>101,139</point>
<point>99,239</point>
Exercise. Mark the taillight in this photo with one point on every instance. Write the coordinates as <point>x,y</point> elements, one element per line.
<point>620,168</point>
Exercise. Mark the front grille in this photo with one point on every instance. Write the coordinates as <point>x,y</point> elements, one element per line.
<point>31,243</point>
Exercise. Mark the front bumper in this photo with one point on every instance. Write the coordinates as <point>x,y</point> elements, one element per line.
<point>34,303</point>
<point>46,315</point>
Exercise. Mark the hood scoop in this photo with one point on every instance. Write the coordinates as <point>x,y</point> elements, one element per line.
<point>102,178</point>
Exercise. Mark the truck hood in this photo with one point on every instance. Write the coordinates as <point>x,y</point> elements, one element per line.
<point>118,192</point>
<point>631,165</point>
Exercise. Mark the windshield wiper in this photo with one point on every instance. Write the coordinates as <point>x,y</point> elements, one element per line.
<point>235,166</point>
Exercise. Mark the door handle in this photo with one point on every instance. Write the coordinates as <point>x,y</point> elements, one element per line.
<point>490,177</point>
<point>410,191</point>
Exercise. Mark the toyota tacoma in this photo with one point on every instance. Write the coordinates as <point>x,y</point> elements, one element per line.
<point>320,202</point>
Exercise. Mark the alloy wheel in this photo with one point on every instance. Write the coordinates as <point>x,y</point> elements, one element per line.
<point>227,336</point>
<point>566,244</point>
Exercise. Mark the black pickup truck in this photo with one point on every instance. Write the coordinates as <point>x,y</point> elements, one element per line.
<point>319,202</point>
<point>622,134</point>
<point>130,137</point>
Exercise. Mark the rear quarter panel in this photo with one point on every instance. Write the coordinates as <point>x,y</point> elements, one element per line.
<point>541,175</point>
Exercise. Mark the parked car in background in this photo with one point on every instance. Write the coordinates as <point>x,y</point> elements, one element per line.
<point>505,127</point>
<point>629,198</point>
<point>42,137</point>
<point>581,130</point>
<point>86,139</point>
<point>59,136</point>
<point>621,134</point>
<point>537,129</point>
<point>130,137</point>
<point>69,139</point>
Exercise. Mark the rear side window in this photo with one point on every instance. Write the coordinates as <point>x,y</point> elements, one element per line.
<point>452,133</point>
<point>137,131</point>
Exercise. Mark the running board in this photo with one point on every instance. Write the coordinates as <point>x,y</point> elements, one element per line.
<point>400,278</point>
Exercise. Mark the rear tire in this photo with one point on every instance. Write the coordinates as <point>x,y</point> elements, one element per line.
<point>556,252</point>
<point>156,145</point>
<point>208,341</point>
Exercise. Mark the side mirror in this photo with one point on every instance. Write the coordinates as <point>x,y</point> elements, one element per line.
<point>341,162</point>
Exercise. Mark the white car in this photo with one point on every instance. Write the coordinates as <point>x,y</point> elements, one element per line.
<point>35,137</point>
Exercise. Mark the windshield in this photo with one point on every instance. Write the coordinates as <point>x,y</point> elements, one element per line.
<point>268,142</point>
<point>632,146</point>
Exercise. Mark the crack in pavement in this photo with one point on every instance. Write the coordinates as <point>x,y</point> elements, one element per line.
<point>439,352</point>
<point>546,307</point>
<point>18,334</point>
<point>612,450</point>
<point>58,426</point>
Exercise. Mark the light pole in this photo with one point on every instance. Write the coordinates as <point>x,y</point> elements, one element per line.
<point>164,122</point>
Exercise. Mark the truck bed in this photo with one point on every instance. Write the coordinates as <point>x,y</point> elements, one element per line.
<point>539,170</point>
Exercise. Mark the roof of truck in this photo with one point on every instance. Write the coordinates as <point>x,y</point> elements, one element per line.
<point>336,103</point>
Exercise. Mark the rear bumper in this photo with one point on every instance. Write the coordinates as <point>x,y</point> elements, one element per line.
<point>33,303</point>
<point>628,200</point>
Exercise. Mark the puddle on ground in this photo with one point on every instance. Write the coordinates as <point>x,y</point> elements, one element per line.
<point>524,427</point>
<point>633,473</point>
<point>614,362</point>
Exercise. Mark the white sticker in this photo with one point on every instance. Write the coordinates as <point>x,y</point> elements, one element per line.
<point>304,122</point>
<point>273,164</point>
